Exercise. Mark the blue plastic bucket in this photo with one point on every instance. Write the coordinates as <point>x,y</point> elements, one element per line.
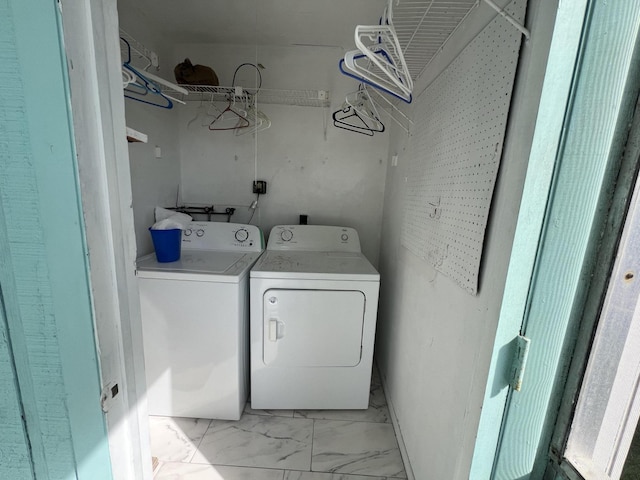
<point>167,244</point>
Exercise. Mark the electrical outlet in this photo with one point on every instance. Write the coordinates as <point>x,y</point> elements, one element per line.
<point>260,187</point>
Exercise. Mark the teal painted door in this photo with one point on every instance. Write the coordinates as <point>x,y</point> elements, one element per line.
<point>552,110</point>
<point>15,459</point>
<point>48,361</point>
<point>604,93</point>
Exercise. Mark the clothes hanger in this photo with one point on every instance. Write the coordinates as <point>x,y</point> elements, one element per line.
<point>338,121</point>
<point>147,87</point>
<point>210,113</point>
<point>372,40</point>
<point>392,46</point>
<point>127,78</point>
<point>385,67</point>
<point>237,117</point>
<point>258,119</point>
<point>371,78</point>
<point>361,102</point>
<point>143,86</point>
<point>348,118</point>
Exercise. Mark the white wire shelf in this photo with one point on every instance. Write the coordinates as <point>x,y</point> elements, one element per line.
<point>301,98</point>
<point>141,56</point>
<point>424,26</point>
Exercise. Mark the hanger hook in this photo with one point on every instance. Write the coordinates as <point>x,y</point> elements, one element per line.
<point>128,50</point>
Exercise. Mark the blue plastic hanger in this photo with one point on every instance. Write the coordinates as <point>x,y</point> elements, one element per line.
<point>146,87</point>
<point>348,73</point>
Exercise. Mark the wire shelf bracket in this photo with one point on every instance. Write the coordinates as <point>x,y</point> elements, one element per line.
<point>509,19</point>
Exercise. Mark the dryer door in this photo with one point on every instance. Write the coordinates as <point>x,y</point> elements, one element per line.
<point>312,328</point>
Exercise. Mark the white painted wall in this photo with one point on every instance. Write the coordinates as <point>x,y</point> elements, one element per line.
<point>335,180</point>
<point>434,340</point>
<point>154,181</point>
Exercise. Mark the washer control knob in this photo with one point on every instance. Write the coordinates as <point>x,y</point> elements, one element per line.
<point>273,300</point>
<point>286,235</point>
<point>200,232</point>
<point>344,237</point>
<point>242,235</point>
<point>188,232</point>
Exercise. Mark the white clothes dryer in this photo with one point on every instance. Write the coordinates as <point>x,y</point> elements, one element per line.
<point>195,319</point>
<point>314,300</point>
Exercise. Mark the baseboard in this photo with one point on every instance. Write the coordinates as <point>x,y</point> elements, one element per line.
<point>396,428</point>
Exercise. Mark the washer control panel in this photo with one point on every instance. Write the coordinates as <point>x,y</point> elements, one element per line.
<point>222,236</point>
<point>319,238</point>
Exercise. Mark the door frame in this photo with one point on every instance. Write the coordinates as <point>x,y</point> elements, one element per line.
<point>91,36</point>
<point>572,180</point>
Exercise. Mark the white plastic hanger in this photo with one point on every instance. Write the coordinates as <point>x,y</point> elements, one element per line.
<point>360,67</point>
<point>258,122</point>
<point>379,61</point>
<point>362,103</point>
<point>380,45</point>
<point>144,86</point>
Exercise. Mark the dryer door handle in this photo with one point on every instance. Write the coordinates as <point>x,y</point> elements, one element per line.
<point>273,330</point>
<point>276,329</point>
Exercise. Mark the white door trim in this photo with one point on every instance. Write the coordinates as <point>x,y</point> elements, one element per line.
<point>93,61</point>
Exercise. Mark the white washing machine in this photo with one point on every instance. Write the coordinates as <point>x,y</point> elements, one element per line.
<point>314,301</point>
<point>195,318</point>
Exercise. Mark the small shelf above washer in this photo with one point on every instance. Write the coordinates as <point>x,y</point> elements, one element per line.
<point>136,136</point>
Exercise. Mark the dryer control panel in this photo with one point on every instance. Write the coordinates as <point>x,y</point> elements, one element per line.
<point>314,238</point>
<point>222,236</point>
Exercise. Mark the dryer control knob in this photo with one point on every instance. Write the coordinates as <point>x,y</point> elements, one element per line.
<point>286,235</point>
<point>200,233</point>
<point>273,300</point>
<point>188,232</point>
<point>344,237</point>
<point>242,235</point>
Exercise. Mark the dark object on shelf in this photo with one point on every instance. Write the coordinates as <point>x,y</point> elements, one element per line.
<point>188,74</point>
<point>303,219</point>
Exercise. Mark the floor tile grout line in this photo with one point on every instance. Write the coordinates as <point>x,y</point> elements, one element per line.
<point>326,419</point>
<point>313,434</point>
<point>347,475</point>
<point>204,434</point>
<point>232,465</point>
<point>346,420</point>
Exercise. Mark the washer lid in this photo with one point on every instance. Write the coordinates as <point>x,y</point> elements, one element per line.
<point>315,265</point>
<point>199,266</point>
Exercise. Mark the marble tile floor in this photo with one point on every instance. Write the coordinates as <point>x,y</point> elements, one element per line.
<point>281,445</point>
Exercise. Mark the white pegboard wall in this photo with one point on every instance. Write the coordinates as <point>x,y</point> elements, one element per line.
<point>454,153</point>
